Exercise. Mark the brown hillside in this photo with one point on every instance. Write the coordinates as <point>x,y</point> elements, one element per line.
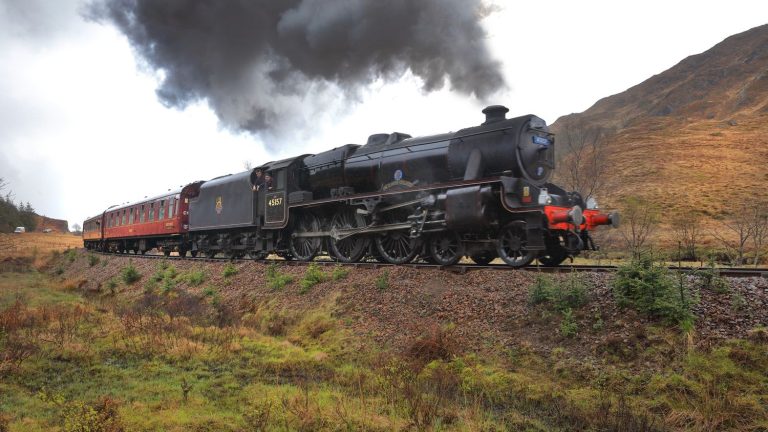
<point>693,136</point>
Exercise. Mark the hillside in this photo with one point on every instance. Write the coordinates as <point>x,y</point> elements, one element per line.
<point>692,137</point>
<point>125,343</point>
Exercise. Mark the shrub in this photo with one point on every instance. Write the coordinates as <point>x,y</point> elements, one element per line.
<point>92,260</point>
<point>567,294</point>
<point>210,291</point>
<point>339,273</point>
<point>568,326</point>
<point>649,288</point>
<point>168,285</point>
<point>229,270</point>
<point>130,274</point>
<point>709,278</point>
<point>111,285</point>
<point>275,279</point>
<point>195,278</point>
<point>102,416</point>
<point>382,281</point>
<point>435,343</point>
<point>71,255</point>
<point>312,277</point>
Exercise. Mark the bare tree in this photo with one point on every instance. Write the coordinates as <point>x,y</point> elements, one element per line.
<point>686,229</point>
<point>640,218</point>
<point>76,228</point>
<point>247,165</point>
<point>583,161</point>
<point>739,226</point>
<point>759,229</point>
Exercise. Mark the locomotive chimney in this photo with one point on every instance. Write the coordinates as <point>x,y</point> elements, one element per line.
<point>495,113</point>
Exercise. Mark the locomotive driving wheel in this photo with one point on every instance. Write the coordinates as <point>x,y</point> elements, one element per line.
<point>305,248</point>
<point>446,248</point>
<point>349,249</point>
<point>396,246</point>
<point>553,256</point>
<point>511,245</point>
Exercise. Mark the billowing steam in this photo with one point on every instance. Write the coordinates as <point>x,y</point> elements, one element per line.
<point>257,61</point>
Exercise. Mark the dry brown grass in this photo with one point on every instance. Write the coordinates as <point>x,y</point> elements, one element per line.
<point>31,244</point>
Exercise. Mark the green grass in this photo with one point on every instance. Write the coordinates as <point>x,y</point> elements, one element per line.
<point>312,277</point>
<point>278,369</point>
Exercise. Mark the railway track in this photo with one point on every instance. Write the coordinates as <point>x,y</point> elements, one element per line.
<point>458,268</point>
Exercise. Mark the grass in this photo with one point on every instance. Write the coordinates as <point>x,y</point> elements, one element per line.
<point>29,244</point>
<point>275,279</point>
<point>313,276</point>
<point>152,362</point>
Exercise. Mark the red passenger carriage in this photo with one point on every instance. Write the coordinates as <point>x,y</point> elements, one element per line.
<point>160,222</point>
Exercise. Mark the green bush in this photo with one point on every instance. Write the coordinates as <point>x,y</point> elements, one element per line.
<point>129,274</point>
<point>339,273</point>
<point>709,278</point>
<point>382,281</point>
<point>168,285</point>
<point>568,326</point>
<point>71,255</point>
<point>92,260</point>
<point>312,277</point>
<point>649,288</point>
<point>570,293</point>
<point>111,285</point>
<point>275,279</point>
<point>195,277</point>
<point>229,270</point>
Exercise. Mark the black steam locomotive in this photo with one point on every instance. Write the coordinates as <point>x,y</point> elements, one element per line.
<point>481,192</point>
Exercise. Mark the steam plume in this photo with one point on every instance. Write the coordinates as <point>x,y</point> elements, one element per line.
<point>255,61</point>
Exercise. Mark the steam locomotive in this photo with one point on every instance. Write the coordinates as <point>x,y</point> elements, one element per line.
<point>481,192</point>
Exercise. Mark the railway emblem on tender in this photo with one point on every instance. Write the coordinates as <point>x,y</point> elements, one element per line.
<point>219,206</point>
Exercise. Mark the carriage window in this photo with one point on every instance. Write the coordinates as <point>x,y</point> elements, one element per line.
<point>130,216</point>
<point>152,212</point>
<point>170,208</point>
<point>141,215</point>
<point>123,218</point>
<point>161,212</point>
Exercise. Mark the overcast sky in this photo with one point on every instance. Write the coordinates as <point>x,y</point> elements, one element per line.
<point>81,126</point>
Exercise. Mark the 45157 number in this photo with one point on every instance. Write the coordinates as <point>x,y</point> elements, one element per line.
<point>273,202</point>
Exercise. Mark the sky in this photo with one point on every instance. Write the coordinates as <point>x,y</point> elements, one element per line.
<point>82,127</point>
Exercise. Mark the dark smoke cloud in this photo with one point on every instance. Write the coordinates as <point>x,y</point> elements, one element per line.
<point>259,62</point>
